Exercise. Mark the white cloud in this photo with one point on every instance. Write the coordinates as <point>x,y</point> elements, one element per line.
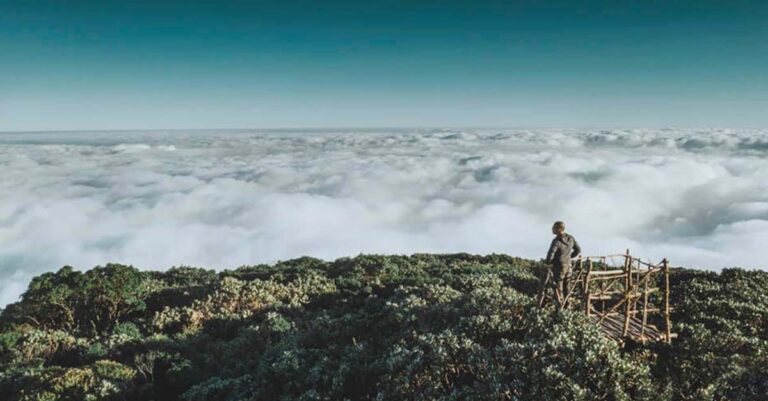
<point>224,199</point>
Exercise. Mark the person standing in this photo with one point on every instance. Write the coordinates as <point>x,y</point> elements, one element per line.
<point>562,249</point>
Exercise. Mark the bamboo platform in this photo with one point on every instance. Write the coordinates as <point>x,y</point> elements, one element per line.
<point>613,328</point>
<point>621,294</point>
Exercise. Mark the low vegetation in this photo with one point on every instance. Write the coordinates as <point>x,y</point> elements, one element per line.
<point>421,327</point>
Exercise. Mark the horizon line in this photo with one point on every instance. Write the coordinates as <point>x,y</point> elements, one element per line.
<point>404,127</point>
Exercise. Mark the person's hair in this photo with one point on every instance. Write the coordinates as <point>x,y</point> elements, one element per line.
<point>559,224</point>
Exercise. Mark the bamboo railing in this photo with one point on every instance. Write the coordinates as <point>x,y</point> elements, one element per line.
<point>622,294</point>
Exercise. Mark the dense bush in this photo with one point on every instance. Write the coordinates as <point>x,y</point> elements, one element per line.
<point>421,327</point>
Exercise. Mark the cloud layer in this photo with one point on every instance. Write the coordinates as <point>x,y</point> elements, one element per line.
<point>225,199</point>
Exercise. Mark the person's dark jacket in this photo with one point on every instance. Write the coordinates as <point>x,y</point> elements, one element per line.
<point>562,250</point>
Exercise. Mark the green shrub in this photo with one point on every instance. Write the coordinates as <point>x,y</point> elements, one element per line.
<point>370,327</point>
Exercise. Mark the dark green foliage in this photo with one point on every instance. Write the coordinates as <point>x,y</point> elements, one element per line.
<point>372,327</point>
<point>722,352</point>
<point>82,303</point>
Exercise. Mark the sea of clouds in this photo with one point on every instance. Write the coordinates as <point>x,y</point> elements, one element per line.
<point>222,199</point>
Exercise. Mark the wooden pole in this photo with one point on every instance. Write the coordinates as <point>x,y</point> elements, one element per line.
<point>602,284</point>
<point>636,285</point>
<point>587,293</point>
<point>627,291</point>
<point>667,324</point>
<point>544,288</point>
<point>645,309</point>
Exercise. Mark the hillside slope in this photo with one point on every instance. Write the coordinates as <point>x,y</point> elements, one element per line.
<point>421,327</point>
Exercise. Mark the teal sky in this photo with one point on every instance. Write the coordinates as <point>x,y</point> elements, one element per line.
<point>131,65</point>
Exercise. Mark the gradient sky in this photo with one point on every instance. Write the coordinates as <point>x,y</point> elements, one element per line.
<point>130,65</point>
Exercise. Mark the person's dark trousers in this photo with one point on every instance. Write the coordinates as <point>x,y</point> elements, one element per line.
<point>560,283</point>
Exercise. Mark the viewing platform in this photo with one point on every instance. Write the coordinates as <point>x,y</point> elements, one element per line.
<point>624,295</point>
